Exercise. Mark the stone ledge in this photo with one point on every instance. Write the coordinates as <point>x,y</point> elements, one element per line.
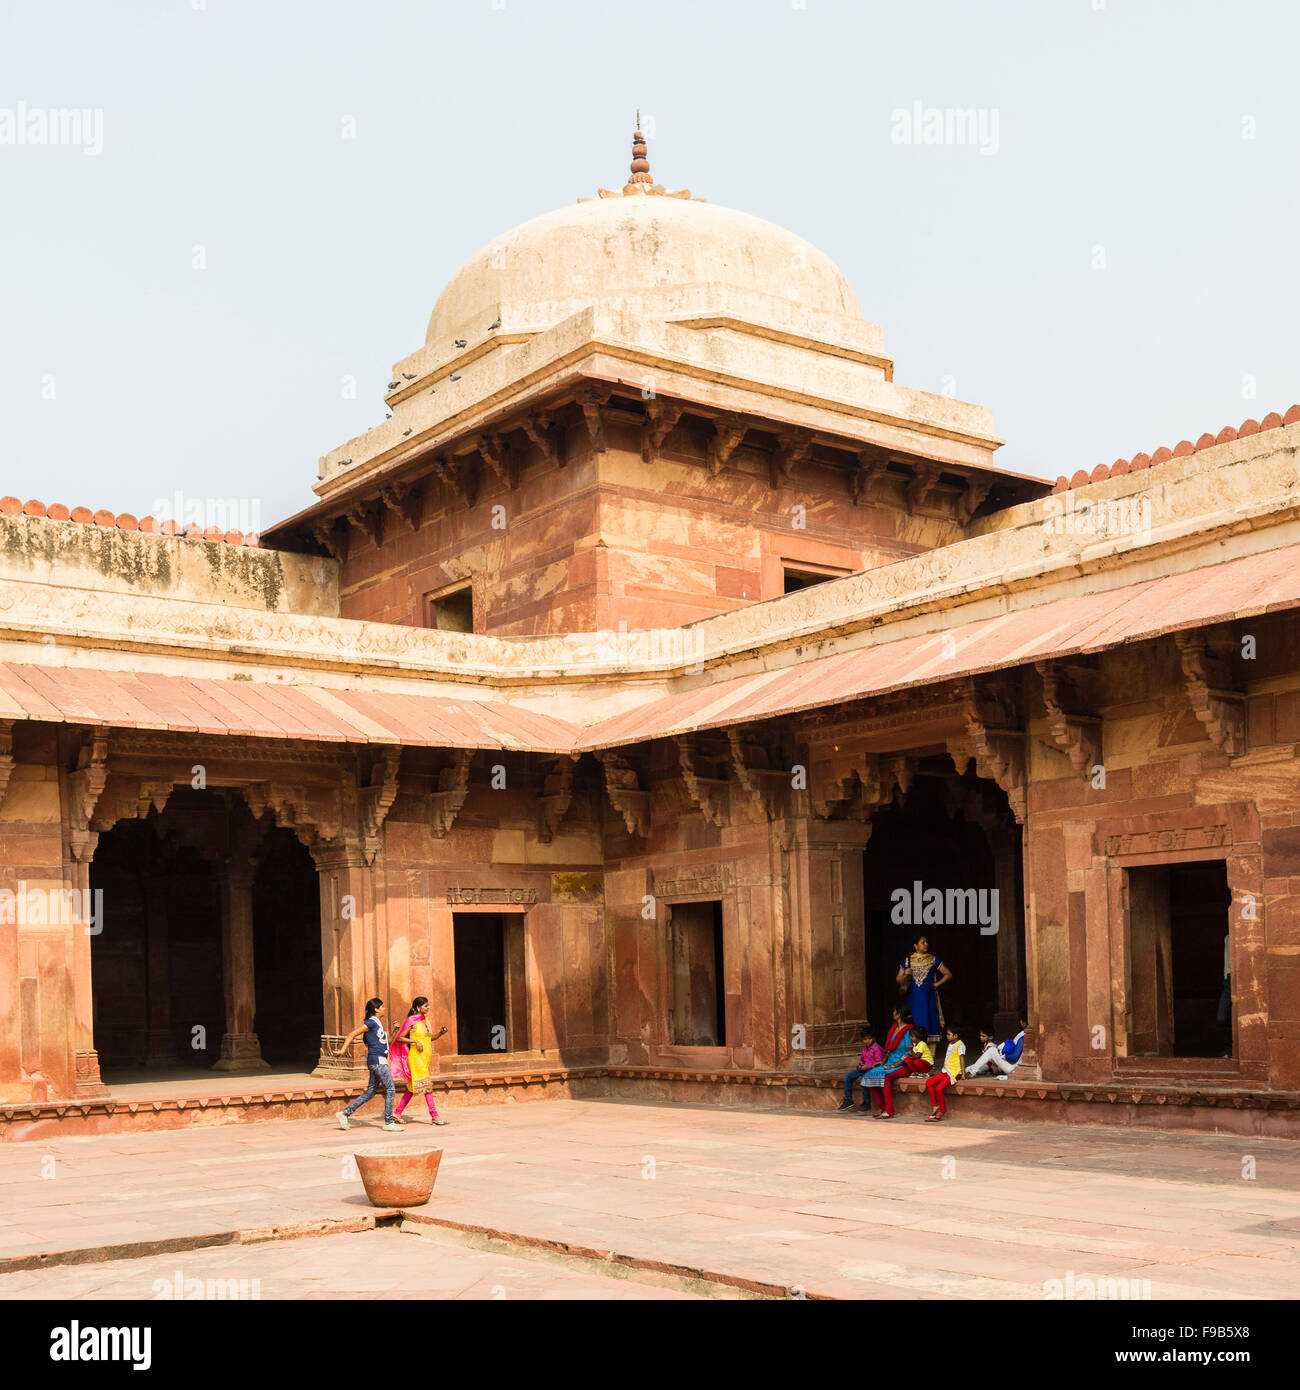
<point>1038,1100</point>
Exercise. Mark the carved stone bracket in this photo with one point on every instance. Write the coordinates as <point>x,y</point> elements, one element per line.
<point>791,448</point>
<point>453,788</point>
<point>591,402</point>
<point>857,785</point>
<point>977,489</point>
<point>1210,693</point>
<point>458,477</point>
<point>766,787</point>
<point>315,814</point>
<point>557,795</point>
<point>500,457</point>
<point>922,484</point>
<point>623,787</point>
<point>332,538</point>
<point>85,786</point>
<point>661,419</point>
<point>727,434</point>
<point>376,799</point>
<point>709,794</point>
<point>406,499</point>
<point>994,738</point>
<point>542,430</point>
<point>369,517</point>
<point>1074,731</point>
<point>868,465</point>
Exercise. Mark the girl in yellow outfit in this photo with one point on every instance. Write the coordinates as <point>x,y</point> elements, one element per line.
<point>413,1052</point>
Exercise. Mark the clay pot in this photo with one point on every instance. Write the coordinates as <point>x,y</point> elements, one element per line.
<point>399,1177</point>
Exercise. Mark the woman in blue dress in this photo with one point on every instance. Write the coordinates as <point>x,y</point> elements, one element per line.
<point>921,975</point>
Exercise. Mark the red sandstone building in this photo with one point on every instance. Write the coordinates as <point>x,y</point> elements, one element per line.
<point>612,688</point>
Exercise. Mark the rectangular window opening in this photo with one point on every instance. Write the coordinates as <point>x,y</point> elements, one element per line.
<point>450,611</point>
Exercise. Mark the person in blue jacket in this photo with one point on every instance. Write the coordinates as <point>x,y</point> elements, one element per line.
<point>1000,1056</point>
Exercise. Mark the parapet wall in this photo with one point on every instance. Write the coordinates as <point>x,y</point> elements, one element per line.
<point>109,559</point>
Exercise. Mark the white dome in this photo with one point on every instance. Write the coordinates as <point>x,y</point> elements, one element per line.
<point>637,252</point>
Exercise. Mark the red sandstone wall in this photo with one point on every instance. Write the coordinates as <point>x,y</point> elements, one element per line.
<point>610,539</point>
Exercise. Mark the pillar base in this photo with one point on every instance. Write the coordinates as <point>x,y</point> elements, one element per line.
<point>88,1084</point>
<point>241,1052</point>
<point>349,1067</point>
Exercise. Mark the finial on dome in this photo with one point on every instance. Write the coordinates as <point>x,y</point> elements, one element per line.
<point>640,164</point>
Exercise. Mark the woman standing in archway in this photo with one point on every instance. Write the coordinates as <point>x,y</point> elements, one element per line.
<point>921,976</point>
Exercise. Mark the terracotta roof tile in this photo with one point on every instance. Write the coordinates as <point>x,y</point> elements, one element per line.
<point>122,521</point>
<point>1272,421</point>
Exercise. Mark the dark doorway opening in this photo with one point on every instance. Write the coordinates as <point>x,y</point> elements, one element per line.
<point>1178,916</point>
<point>698,1004</point>
<point>936,838</point>
<point>158,997</point>
<point>287,952</point>
<point>491,997</point>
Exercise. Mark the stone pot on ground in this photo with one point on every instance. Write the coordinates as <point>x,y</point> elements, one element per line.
<point>399,1177</point>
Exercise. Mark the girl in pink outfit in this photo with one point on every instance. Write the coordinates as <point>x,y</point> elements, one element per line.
<point>411,1052</point>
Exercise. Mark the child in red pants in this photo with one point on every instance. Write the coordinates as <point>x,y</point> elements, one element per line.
<point>937,1084</point>
<point>919,1060</point>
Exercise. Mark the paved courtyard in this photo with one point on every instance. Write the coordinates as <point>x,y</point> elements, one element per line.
<point>554,1199</point>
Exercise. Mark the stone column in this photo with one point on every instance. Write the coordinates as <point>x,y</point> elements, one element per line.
<point>1007,882</point>
<point>160,1048</point>
<point>240,1048</point>
<point>351,965</point>
<point>76,872</point>
<point>828,931</point>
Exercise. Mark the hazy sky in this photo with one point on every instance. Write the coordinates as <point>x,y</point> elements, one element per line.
<point>1158,138</point>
